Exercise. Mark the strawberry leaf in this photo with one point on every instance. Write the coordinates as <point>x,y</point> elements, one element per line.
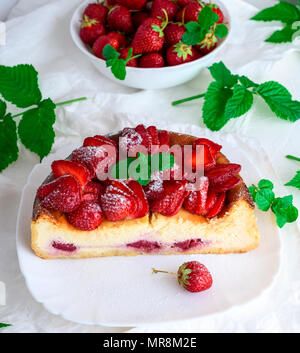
<point>246,82</point>
<point>215,100</point>
<point>109,52</point>
<point>221,31</point>
<point>8,142</point>
<point>118,66</point>
<point>2,325</point>
<point>295,182</point>
<point>284,35</point>
<point>223,75</point>
<point>36,128</point>
<point>19,85</point>
<point>279,100</point>
<point>284,12</point>
<point>240,102</point>
<point>207,18</point>
<point>2,108</point>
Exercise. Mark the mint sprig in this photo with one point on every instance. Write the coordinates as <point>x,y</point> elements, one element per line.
<point>295,182</point>
<point>141,167</point>
<point>231,96</point>
<point>196,31</point>
<point>117,65</point>
<point>265,199</point>
<point>19,86</point>
<point>288,14</point>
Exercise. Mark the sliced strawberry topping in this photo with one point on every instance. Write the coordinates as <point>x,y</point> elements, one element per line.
<point>96,158</point>
<point>222,172</point>
<point>191,160</point>
<point>129,139</point>
<point>164,138</point>
<point>98,140</point>
<point>213,147</point>
<point>195,202</point>
<point>64,197</point>
<point>218,206</point>
<point>142,203</point>
<point>172,199</point>
<point>146,137</point>
<point>93,191</point>
<point>45,189</point>
<point>228,184</point>
<point>87,216</point>
<point>63,167</point>
<point>152,130</point>
<point>154,190</point>
<point>116,206</point>
<point>212,197</point>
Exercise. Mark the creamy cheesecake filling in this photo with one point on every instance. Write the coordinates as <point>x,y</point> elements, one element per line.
<point>140,245</point>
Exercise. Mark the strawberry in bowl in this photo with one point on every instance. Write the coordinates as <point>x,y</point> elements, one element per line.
<point>140,44</point>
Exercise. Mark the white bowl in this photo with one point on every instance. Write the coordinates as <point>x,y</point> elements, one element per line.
<point>155,78</point>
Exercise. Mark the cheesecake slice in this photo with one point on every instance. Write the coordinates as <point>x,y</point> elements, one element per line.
<point>91,218</point>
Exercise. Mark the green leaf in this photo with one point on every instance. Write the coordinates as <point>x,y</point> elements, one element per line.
<point>253,191</point>
<point>214,105</point>
<point>265,183</point>
<point>192,38</point>
<point>281,218</point>
<point>240,102</point>
<point>109,52</point>
<point>2,325</point>
<point>19,85</point>
<point>8,142</point>
<point>2,108</point>
<point>282,202</point>
<point>284,12</point>
<point>291,213</point>
<point>36,128</point>
<point>223,75</point>
<point>221,31</point>
<point>118,69</point>
<point>246,82</point>
<point>295,182</point>
<point>207,18</point>
<point>279,100</point>
<point>285,35</point>
<point>264,199</point>
<point>193,26</point>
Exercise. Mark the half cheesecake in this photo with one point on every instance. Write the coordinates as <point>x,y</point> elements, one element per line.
<point>76,215</point>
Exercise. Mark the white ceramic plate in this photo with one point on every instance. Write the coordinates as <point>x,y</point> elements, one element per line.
<point>120,291</point>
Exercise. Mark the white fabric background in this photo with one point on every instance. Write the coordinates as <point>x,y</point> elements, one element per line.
<point>37,33</point>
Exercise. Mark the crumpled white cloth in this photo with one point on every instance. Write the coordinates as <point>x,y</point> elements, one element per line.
<point>38,33</point>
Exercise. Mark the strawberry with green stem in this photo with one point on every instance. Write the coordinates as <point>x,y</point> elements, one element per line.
<point>149,37</point>
<point>181,53</point>
<point>192,276</point>
<point>90,30</point>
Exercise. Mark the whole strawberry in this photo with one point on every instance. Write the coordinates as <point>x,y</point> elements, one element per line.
<point>173,33</point>
<point>192,276</point>
<point>149,37</point>
<point>139,17</point>
<point>190,12</point>
<point>219,12</point>
<point>164,8</point>
<point>208,44</point>
<point>96,11</point>
<point>101,42</point>
<point>119,19</point>
<point>181,53</point>
<point>152,60</point>
<point>124,55</point>
<point>119,37</point>
<point>90,30</point>
<point>88,216</point>
<point>133,4</point>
